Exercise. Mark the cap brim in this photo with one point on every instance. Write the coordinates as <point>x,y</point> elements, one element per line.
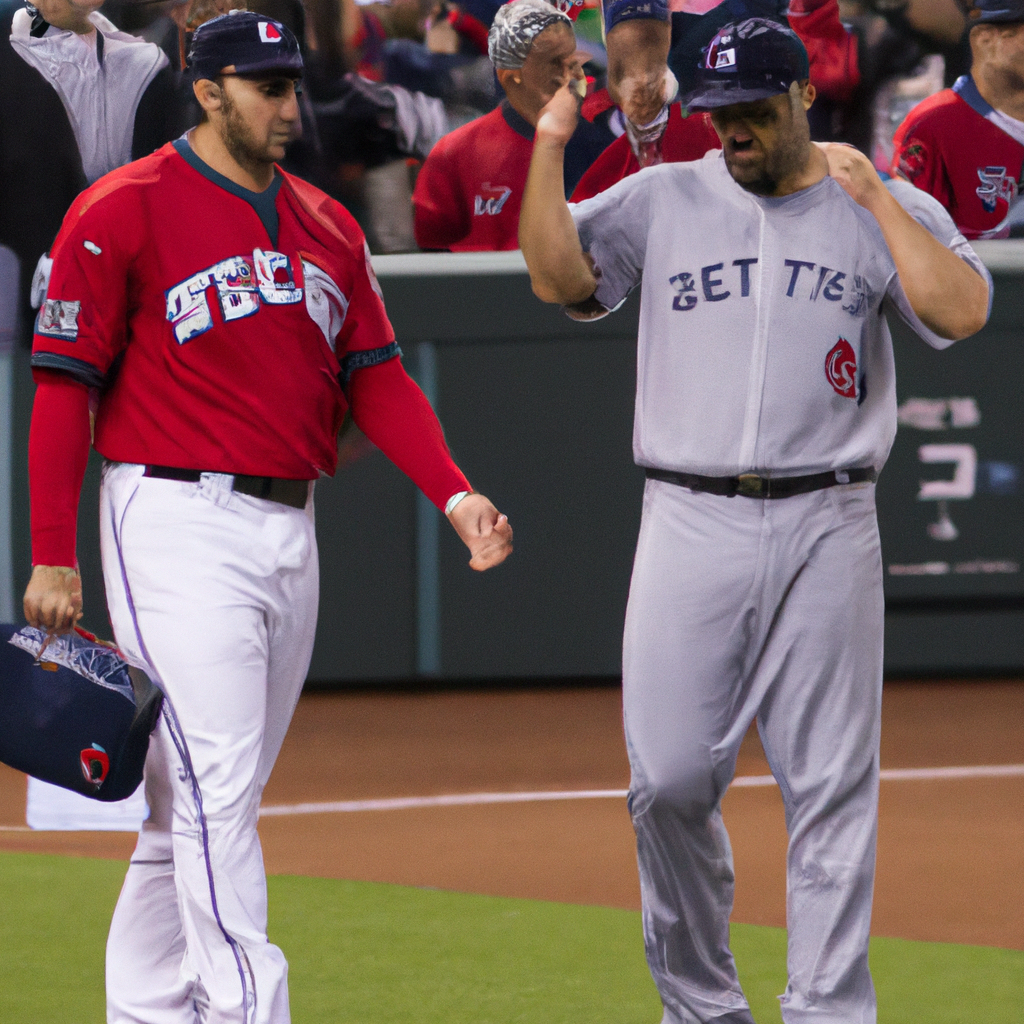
<point>292,70</point>
<point>710,97</point>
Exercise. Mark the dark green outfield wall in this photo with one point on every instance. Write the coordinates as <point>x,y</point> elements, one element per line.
<point>538,411</point>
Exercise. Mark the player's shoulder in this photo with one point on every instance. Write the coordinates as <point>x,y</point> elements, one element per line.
<point>943,115</point>
<point>324,210</point>
<point>116,202</point>
<point>124,183</point>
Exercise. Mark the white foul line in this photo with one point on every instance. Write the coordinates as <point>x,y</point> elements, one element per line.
<point>403,803</point>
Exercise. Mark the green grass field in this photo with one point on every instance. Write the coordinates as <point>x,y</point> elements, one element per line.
<point>383,954</point>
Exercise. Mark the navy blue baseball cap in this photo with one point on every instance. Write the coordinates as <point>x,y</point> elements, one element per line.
<point>981,12</point>
<point>748,60</point>
<point>243,43</point>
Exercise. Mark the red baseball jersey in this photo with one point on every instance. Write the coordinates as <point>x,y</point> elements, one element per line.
<point>685,138</point>
<point>219,325</point>
<point>954,146</point>
<point>470,188</point>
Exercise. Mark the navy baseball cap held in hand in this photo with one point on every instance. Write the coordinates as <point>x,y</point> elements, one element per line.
<point>746,61</point>
<point>243,43</point>
<point>982,12</point>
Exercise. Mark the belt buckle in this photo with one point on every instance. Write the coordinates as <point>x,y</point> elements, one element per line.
<point>750,485</point>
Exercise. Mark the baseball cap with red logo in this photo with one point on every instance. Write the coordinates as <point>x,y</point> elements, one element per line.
<point>746,61</point>
<point>244,43</point>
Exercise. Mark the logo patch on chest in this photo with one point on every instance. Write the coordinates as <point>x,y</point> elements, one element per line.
<point>841,369</point>
<point>995,185</point>
<point>493,199</point>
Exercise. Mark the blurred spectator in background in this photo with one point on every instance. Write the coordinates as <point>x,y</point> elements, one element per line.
<point>640,35</point>
<point>470,188</point>
<point>905,50</point>
<point>80,98</point>
<point>965,145</point>
<point>451,62</point>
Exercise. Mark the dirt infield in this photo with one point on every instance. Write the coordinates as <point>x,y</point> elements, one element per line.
<point>951,850</point>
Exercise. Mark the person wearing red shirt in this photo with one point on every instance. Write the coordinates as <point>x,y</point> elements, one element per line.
<point>965,145</point>
<point>227,315</point>
<point>684,138</point>
<point>470,188</point>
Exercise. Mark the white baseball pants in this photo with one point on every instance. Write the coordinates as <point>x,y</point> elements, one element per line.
<point>742,608</point>
<point>215,594</point>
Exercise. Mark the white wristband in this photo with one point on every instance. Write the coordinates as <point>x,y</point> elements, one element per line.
<point>454,500</point>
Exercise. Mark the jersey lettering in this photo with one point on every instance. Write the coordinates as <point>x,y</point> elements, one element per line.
<point>995,185</point>
<point>685,291</point>
<point>242,283</point>
<point>744,266</point>
<point>491,205</point>
<point>797,266</point>
<point>829,284</point>
<point>709,284</point>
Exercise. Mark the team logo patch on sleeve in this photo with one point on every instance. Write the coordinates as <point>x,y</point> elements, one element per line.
<point>841,369</point>
<point>58,318</point>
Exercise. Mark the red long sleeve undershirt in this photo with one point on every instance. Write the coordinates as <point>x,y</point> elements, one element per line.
<point>386,405</point>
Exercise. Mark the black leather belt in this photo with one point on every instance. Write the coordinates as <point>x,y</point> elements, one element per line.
<point>751,485</point>
<point>271,488</point>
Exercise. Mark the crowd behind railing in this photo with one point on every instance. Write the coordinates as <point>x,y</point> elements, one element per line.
<point>418,115</point>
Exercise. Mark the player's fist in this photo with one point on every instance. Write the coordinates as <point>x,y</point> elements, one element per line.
<point>854,171</point>
<point>53,598</point>
<point>484,530</point>
<point>558,117</point>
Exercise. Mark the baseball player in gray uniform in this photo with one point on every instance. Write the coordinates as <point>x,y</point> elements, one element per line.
<point>765,408</point>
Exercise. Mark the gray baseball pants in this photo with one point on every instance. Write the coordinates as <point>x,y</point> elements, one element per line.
<point>742,608</point>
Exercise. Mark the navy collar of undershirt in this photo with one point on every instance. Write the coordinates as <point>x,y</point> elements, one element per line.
<point>264,203</point>
<point>965,88</point>
<point>516,121</point>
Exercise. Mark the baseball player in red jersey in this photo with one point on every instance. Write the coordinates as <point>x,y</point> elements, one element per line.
<point>470,188</point>
<point>227,314</point>
<point>965,145</point>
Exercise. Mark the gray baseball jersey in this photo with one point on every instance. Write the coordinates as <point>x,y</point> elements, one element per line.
<point>762,339</point>
<point>763,347</point>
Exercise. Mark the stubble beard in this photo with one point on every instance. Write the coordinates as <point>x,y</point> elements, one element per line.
<point>239,140</point>
<point>784,161</point>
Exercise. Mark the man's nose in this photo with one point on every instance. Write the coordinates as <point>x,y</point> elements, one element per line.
<point>290,108</point>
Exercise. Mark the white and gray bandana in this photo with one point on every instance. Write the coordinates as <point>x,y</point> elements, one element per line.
<point>515,27</point>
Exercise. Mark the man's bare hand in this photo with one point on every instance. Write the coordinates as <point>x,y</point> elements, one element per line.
<point>53,598</point>
<point>483,530</point>
<point>855,172</point>
<point>558,117</point>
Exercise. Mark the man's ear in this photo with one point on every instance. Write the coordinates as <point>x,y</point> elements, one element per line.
<point>807,93</point>
<point>209,95</point>
<point>508,78</point>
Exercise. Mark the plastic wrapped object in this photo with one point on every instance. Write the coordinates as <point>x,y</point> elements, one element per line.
<point>74,713</point>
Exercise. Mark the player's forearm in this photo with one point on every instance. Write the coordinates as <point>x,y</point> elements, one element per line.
<point>58,452</point>
<point>949,296</point>
<point>547,235</point>
<point>395,415</point>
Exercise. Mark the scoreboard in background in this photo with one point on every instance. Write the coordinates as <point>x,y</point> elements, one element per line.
<point>951,496</point>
